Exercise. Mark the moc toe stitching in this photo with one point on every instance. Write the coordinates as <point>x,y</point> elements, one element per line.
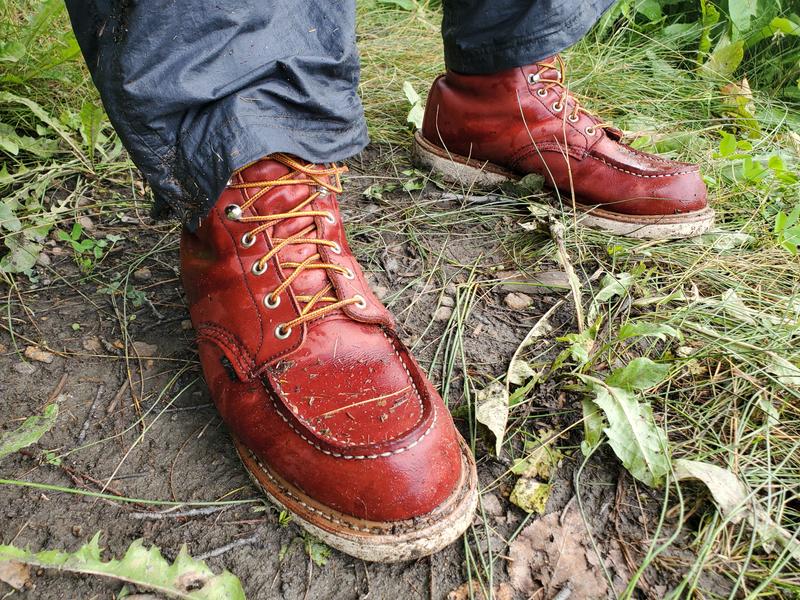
<point>330,438</point>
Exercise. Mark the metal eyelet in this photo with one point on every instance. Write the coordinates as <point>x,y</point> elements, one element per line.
<point>258,271</point>
<point>323,191</point>
<point>348,274</point>
<point>558,107</point>
<point>591,131</point>
<point>541,92</point>
<point>573,119</point>
<point>337,249</point>
<point>534,78</point>
<point>274,303</point>
<point>330,218</point>
<point>233,212</point>
<point>282,332</point>
<point>361,302</point>
<point>248,240</point>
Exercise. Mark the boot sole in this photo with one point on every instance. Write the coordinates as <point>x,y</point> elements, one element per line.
<point>373,541</point>
<point>455,168</point>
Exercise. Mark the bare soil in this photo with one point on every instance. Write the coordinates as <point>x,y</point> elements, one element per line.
<point>120,362</point>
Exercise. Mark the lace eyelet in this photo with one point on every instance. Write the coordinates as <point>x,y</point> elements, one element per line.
<point>273,303</point>
<point>573,119</point>
<point>534,78</point>
<point>257,270</point>
<point>558,107</point>
<point>248,240</point>
<point>330,218</point>
<point>337,249</point>
<point>348,274</point>
<point>361,302</point>
<point>282,332</point>
<point>233,212</point>
<point>592,131</point>
<point>541,92</point>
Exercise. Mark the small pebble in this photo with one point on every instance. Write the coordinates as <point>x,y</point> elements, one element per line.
<point>86,223</point>
<point>443,313</point>
<point>25,368</point>
<point>43,260</point>
<point>517,301</point>
<point>142,274</point>
<point>448,301</point>
<point>380,291</point>
<point>491,505</point>
<point>186,324</point>
<point>39,355</point>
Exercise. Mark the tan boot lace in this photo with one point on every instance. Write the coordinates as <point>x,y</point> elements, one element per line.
<point>565,99</point>
<point>322,302</point>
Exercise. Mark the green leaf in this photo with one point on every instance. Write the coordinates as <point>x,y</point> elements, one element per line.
<point>633,434</point>
<point>593,426</point>
<point>643,329</point>
<point>417,112</point>
<point>725,59</point>
<point>741,13</point>
<point>728,145</point>
<point>46,118</point>
<point>186,578</point>
<point>21,256</point>
<point>29,432</point>
<point>640,374</point>
<point>402,4</point>
<point>12,51</point>
<point>92,118</point>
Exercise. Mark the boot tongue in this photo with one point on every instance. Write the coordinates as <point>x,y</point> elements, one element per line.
<point>282,199</point>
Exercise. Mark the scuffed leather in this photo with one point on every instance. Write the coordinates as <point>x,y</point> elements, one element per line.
<point>340,408</point>
<point>501,118</point>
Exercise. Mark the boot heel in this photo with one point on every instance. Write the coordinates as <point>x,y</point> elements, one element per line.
<point>458,169</point>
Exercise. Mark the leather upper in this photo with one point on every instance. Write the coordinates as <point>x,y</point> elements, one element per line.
<point>339,408</point>
<point>519,120</point>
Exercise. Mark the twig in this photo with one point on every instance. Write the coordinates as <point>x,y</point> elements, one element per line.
<point>89,416</point>
<point>58,389</point>
<point>167,514</point>
<point>117,397</point>
<point>223,549</point>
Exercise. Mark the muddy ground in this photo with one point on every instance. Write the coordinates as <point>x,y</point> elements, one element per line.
<point>111,374</point>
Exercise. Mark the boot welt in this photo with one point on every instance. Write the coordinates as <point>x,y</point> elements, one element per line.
<point>373,541</point>
<point>455,168</point>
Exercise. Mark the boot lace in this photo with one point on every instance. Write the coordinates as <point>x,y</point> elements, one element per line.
<point>566,98</point>
<point>322,302</point>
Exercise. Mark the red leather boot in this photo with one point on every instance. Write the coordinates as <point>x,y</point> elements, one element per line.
<point>329,412</point>
<point>486,129</point>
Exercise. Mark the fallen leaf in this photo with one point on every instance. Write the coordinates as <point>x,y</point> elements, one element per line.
<point>492,411</point>
<point>553,553</point>
<point>15,574</point>
<point>735,503</point>
<point>531,495</point>
<point>186,578</point>
<point>143,349</point>
<point>29,432</point>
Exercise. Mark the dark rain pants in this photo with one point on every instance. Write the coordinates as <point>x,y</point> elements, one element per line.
<point>198,89</point>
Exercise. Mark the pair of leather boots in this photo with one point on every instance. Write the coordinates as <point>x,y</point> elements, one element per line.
<point>331,415</point>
